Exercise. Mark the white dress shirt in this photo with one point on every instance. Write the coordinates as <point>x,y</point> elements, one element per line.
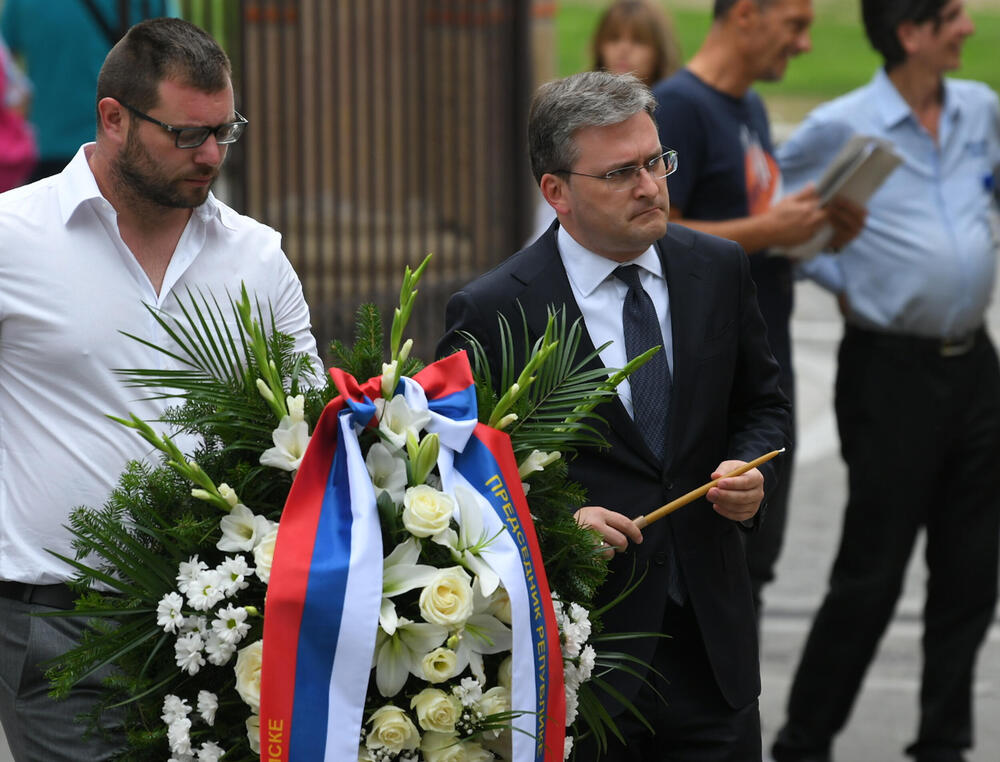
<point>68,286</point>
<point>600,296</point>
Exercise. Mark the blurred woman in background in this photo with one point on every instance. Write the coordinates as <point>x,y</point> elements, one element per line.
<point>636,36</point>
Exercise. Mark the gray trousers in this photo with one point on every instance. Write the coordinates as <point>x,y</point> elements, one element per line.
<point>39,728</point>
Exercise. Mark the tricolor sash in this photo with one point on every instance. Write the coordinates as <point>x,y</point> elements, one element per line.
<point>321,613</point>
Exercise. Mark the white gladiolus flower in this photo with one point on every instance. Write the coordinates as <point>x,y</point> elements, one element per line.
<point>188,572</point>
<point>537,461</point>
<point>206,591</point>
<point>296,407</point>
<point>426,511</point>
<point>387,470</point>
<point>228,494</point>
<point>397,418</point>
<point>568,747</point>
<point>234,571</point>
<point>208,704</point>
<point>210,752</point>
<point>263,555</point>
<point>388,376</point>
<point>248,674</point>
<point>241,529</point>
<point>187,653</point>
<point>174,707</point>
<point>447,598</point>
<point>169,614</point>
<point>231,624</point>
<point>392,730</point>
<point>291,439</point>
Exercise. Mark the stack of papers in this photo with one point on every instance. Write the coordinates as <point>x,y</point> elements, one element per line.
<point>855,173</point>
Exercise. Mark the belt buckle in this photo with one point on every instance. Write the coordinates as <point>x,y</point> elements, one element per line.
<point>956,347</point>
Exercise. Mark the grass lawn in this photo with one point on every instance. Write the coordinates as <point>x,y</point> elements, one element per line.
<point>841,58</point>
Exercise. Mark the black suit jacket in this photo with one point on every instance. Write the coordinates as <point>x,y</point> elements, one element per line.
<point>725,405</point>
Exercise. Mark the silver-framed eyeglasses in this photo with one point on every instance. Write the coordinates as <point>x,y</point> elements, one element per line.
<point>625,178</point>
<point>192,137</point>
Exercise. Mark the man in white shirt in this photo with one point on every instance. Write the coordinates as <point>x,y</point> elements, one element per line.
<point>130,222</point>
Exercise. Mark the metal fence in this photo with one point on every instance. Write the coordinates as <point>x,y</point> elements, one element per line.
<point>380,131</point>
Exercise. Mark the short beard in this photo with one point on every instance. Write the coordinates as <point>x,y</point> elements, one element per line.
<point>138,177</point>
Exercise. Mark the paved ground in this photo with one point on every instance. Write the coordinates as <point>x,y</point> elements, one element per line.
<point>884,718</point>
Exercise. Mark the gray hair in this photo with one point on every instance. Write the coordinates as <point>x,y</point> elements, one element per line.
<point>588,99</point>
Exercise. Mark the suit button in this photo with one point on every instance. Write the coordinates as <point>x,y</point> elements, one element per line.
<point>669,486</point>
<point>660,559</point>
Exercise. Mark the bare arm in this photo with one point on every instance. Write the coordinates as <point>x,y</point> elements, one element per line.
<point>793,220</point>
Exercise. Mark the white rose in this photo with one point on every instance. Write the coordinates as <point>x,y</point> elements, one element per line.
<point>426,511</point>
<point>263,554</point>
<point>392,730</point>
<point>436,710</point>
<point>445,747</point>
<point>495,701</point>
<point>503,673</point>
<point>447,600</point>
<point>500,605</point>
<point>253,732</point>
<point>248,674</point>
<point>442,747</point>
<point>439,665</point>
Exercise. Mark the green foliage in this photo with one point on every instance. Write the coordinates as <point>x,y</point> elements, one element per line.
<point>232,384</point>
<point>840,60</point>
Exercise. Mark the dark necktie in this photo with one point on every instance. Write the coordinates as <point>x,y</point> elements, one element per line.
<point>651,386</point>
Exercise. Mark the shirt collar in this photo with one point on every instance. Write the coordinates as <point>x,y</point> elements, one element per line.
<point>76,185</point>
<point>895,110</point>
<point>588,270</point>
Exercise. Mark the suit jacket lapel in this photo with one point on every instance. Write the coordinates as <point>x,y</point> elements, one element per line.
<point>683,269</point>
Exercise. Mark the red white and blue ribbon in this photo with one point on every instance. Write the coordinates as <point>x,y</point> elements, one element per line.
<point>321,614</point>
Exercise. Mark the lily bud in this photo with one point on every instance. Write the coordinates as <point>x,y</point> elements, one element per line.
<point>427,455</point>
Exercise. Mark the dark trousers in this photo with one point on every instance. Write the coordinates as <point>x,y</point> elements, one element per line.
<point>920,433</point>
<point>39,728</point>
<point>694,724</point>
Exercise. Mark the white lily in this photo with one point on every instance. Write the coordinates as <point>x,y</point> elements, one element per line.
<point>400,654</point>
<point>290,441</point>
<point>482,634</point>
<point>388,471</point>
<point>467,544</point>
<point>400,574</point>
<point>396,419</point>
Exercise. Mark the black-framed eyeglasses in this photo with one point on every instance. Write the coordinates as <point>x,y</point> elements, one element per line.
<point>624,178</point>
<point>192,137</point>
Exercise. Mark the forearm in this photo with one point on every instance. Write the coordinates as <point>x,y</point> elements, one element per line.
<point>752,233</point>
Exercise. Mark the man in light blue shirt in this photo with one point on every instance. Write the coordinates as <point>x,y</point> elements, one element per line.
<point>918,387</point>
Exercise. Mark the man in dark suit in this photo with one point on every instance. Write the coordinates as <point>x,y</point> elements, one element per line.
<point>708,402</point>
